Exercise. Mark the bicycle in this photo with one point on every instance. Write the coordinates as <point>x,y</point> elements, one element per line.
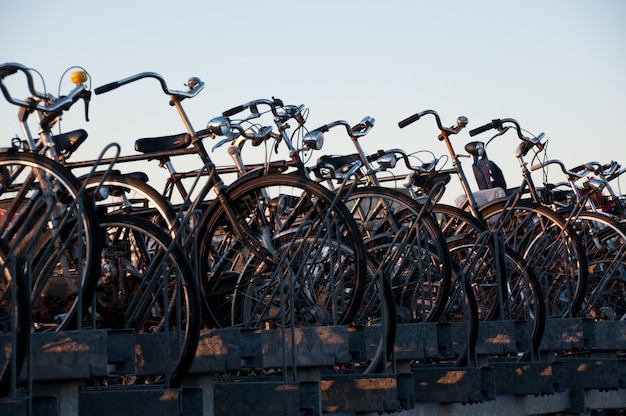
<point>143,280</point>
<point>266,264</point>
<point>420,282</point>
<point>147,284</point>
<point>69,250</point>
<point>603,237</point>
<point>544,239</point>
<point>505,286</point>
<point>598,179</point>
<point>377,315</point>
<point>462,304</point>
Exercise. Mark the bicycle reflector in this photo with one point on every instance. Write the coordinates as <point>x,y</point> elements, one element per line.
<point>78,77</point>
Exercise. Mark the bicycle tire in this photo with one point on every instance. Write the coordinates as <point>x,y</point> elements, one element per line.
<point>61,244</point>
<point>140,260</point>
<point>372,332</point>
<point>294,215</point>
<point>14,321</point>
<point>463,235</point>
<point>420,282</point>
<point>604,239</point>
<point>140,198</point>
<point>551,247</point>
<point>461,309</point>
<point>494,286</point>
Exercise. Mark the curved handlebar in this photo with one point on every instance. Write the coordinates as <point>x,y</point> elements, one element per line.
<point>55,105</point>
<point>461,122</point>
<point>405,157</point>
<point>359,130</point>
<point>495,124</point>
<point>274,103</point>
<point>569,173</point>
<point>598,168</point>
<point>281,112</point>
<point>195,85</point>
<point>10,68</point>
<point>499,124</point>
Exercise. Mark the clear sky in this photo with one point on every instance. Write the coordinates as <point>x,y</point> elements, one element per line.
<point>557,66</point>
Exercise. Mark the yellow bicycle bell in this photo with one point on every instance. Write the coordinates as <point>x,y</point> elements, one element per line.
<point>78,77</point>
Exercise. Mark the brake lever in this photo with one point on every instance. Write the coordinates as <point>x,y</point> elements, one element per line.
<point>229,138</point>
<point>500,132</point>
<point>86,100</point>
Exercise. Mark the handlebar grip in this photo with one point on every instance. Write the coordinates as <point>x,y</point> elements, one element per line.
<point>106,88</point>
<point>358,127</point>
<point>7,69</point>
<point>484,128</point>
<point>402,124</point>
<point>233,111</point>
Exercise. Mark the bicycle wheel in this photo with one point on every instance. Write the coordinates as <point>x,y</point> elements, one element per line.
<point>46,218</point>
<point>372,332</point>
<point>300,259</point>
<point>505,287</point>
<point>147,284</point>
<point>14,321</point>
<point>464,236</point>
<point>421,275</point>
<point>604,240</point>
<point>461,310</point>
<point>525,301</point>
<point>551,247</point>
<point>131,194</point>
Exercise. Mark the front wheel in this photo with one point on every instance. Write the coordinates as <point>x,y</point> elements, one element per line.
<point>551,247</point>
<point>280,234</point>
<point>47,218</point>
<point>14,320</point>
<point>147,284</point>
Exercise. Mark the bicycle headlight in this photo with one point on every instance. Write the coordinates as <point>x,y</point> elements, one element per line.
<point>314,140</point>
<point>219,126</point>
<point>387,162</point>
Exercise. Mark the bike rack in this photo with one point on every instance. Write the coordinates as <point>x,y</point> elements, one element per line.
<point>221,380</point>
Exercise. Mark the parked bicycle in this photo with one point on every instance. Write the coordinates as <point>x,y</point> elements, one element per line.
<point>141,278</point>
<point>275,250</point>
<point>603,237</point>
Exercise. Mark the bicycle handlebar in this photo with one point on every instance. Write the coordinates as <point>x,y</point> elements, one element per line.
<point>598,168</point>
<point>499,124</point>
<point>252,105</point>
<point>358,130</point>
<point>461,122</point>
<point>569,173</point>
<point>425,168</point>
<point>56,106</point>
<point>194,84</point>
<point>10,68</point>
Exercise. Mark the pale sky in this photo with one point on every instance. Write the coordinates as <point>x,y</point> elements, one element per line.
<point>557,66</point>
